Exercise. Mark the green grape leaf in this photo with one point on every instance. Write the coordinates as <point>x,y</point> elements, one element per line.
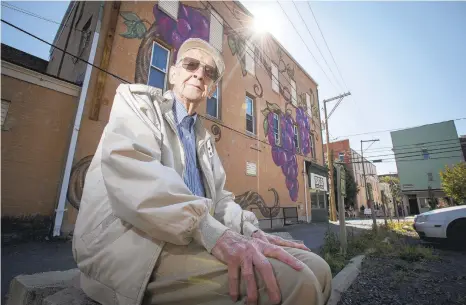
<point>266,126</point>
<point>130,16</point>
<point>265,111</point>
<point>140,29</point>
<point>232,44</point>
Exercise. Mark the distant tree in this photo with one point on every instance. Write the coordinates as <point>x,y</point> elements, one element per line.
<point>395,190</point>
<point>352,188</point>
<point>454,182</point>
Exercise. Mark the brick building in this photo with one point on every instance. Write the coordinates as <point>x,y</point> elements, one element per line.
<point>261,90</point>
<point>342,152</point>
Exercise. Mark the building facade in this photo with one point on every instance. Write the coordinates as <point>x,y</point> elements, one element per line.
<point>420,154</point>
<point>264,115</point>
<point>37,118</point>
<point>342,152</point>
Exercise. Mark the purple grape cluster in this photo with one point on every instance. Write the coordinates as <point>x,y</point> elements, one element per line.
<point>284,155</point>
<point>190,24</point>
<point>303,125</point>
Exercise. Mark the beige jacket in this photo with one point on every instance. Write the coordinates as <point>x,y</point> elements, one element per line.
<point>135,199</point>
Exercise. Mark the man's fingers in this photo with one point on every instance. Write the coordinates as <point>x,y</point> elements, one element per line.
<point>283,256</point>
<point>265,270</point>
<point>286,243</point>
<point>247,273</point>
<point>233,281</point>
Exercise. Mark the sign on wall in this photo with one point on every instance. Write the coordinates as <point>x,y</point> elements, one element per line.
<point>318,182</point>
<point>251,169</point>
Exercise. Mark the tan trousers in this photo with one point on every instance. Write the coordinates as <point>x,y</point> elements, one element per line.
<point>190,275</point>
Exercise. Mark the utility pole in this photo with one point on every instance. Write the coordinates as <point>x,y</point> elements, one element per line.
<point>333,214</point>
<point>341,207</point>
<point>374,220</point>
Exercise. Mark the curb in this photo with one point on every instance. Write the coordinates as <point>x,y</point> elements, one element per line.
<point>343,280</point>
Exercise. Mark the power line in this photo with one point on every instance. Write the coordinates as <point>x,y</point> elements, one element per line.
<point>66,52</point>
<point>389,130</point>
<point>310,34</point>
<point>26,12</point>
<point>410,160</point>
<point>296,30</point>
<point>442,150</point>
<point>125,81</point>
<point>338,69</point>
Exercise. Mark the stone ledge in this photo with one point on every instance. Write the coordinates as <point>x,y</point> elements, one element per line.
<point>33,289</point>
<point>343,280</point>
<point>69,296</point>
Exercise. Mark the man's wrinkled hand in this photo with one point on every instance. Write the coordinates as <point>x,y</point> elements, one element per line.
<point>277,240</point>
<point>242,254</point>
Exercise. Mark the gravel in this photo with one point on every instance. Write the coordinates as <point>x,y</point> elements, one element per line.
<point>391,280</point>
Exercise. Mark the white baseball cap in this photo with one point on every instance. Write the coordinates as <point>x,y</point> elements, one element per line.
<point>196,43</point>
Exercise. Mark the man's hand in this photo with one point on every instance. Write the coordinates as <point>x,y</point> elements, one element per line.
<point>277,240</point>
<point>242,253</point>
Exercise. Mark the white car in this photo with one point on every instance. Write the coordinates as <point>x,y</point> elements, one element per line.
<point>443,224</point>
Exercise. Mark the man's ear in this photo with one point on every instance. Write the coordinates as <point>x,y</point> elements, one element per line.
<point>172,75</point>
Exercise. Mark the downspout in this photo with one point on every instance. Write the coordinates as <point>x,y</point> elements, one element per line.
<point>305,187</point>
<point>77,124</point>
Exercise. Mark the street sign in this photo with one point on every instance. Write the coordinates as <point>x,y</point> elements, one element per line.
<point>343,181</point>
<point>318,182</point>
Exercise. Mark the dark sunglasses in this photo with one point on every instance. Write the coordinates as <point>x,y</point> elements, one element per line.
<point>191,65</point>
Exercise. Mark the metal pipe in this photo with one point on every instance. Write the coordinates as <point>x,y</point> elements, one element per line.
<point>305,187</point>
<point>77,124</point>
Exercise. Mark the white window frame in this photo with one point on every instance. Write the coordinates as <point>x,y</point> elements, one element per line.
<point>294,98</point>
<point>216,21</point>
<point>308,104</point>
<point>166,66</point>
<point>250,64</point>
<point>275,80</point>
<point>219,92</point>
<point>312,144</point>
<point>253,115</point>
<point>164,6</point>
<point>296,138</point>
<point>341,155</point>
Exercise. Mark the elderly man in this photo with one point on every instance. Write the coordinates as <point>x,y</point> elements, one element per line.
<point>155,224</point>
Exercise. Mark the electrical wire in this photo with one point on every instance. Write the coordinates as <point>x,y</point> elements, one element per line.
<point>310,34</point>
<point>26,12</point>
<point>307,47</point>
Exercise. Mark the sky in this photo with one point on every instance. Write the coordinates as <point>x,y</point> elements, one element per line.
<point>403,62</point>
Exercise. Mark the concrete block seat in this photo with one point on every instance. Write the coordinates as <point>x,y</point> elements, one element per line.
<point>48,288</point>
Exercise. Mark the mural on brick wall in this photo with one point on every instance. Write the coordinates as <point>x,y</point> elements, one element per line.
<point>250,198</point>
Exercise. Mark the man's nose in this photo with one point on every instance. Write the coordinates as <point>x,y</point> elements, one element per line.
<point>199,73</point>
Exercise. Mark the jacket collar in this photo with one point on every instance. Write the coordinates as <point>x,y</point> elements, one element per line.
<point>166,106</point>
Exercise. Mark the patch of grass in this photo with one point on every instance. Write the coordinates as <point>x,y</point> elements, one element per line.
<point>404,227</point>
<point>415,253</point>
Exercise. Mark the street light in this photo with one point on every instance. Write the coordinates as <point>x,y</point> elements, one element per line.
<point>374,220</point>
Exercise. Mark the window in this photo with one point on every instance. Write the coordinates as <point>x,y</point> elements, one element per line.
<point>213,103</point>
<point>313,146</point>
<point>170,8</point>
<point>296,137</point>
<point>294,99</point>
<point>249,57</point>
<point>216,31</point>
<point>5,106</point>
<point>276,128</point>
<point>318,199</point>
<point>158,67</point>
<point>275,84</point>
<point>308,104</point>
<point>341,157</point>
<point>425,154</point>
<point>250,121</point>
<point>430,177</point>
<point>84,40</point>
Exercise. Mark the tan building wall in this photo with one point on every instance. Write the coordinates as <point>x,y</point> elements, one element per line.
<point>235,145</point>
<point>39,113</point>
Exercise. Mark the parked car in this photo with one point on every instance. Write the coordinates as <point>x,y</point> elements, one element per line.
<point>447,224</point>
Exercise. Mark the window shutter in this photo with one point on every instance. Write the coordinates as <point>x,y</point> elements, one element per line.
<point>169,7</point>
<point>308,103</point>
<point>275,84</point>
<point>294,99</point>
<point>216,31</point>
<point>249,53</point>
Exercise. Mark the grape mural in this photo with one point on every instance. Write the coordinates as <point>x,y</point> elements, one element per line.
<point>282,141</point>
